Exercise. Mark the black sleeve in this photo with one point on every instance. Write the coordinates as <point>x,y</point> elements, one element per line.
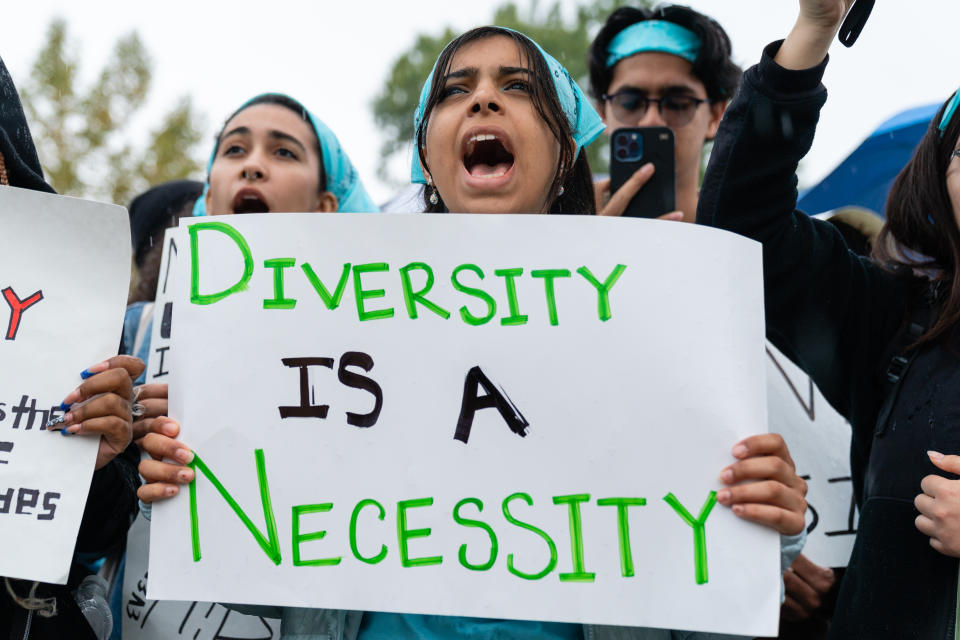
<point>831,311</point>
<point>111,505</point>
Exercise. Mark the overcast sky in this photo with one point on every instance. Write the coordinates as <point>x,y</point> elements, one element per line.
<point>335,56</point>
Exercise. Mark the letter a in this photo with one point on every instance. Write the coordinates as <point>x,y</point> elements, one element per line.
<point>472,403</point>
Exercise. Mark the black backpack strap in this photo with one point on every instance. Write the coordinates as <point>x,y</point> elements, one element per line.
<point>901,356</point>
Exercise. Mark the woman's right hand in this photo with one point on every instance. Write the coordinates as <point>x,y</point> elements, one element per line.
<point>164,478</point>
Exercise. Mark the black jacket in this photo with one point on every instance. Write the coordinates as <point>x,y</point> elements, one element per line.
<point>837,315</point>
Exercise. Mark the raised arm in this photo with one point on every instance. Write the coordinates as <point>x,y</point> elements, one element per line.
<point>832,312</point>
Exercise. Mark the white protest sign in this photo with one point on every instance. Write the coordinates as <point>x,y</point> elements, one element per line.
<point>145,619</point>
<point>497,416</point>
<point>819,441</point>
<point>64,273</point>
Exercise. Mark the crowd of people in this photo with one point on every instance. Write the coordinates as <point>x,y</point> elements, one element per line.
<point>501,128</point>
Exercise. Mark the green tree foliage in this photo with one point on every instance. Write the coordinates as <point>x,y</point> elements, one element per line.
<point>568,40</point>
<point>82,132</point>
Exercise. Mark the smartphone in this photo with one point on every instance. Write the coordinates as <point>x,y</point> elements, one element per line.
<point>630,149</point>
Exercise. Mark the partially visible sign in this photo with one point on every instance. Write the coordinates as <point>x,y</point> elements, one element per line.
<point>64,273</point>
<point>819,441</point>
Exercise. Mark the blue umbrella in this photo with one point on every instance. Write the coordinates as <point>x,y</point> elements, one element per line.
<point>864,178</point>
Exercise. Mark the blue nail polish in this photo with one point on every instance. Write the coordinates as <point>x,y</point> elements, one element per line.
<point>64,406</point>
<point>64,432</point>
<point>86,374</point>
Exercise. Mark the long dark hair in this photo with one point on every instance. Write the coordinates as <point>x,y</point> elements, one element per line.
<point>289,103</point>
<point>713,66</point>
<point>921,230</point>
<point>572,175</point>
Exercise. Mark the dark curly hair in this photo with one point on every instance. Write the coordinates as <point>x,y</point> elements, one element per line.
<point>713,66</point>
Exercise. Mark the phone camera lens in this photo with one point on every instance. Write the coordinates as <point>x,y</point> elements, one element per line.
<point>621,153</point>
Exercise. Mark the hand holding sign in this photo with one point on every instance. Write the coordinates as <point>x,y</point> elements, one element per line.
<point>153,398</point>
<point>101,406</point>
<point>775,498</point>
<point>163,477</point>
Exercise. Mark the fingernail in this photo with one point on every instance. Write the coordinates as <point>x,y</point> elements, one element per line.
<point>89,372</point>
<point>72,397</point>
<point>72,429</point>
<point>68,418</point>
<point>647,168</point>
<point>185,476</point>
<point>184,455</point>
<point>726,475</point>
<point>169,429</point>
<point>739,451</point>
<point>723,497</point>
<point>738,509</point>
<point>53,422</point>
<point>64,432</point>
<point>65,406</point>
<point>170,491</point>
<point>935,455</point>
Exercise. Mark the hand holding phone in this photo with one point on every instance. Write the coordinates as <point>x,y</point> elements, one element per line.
<point>632,149</point>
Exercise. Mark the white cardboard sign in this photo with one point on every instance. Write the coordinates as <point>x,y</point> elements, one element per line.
<point>64,273</point>
<point>819,441</point>
<point>498,416</point>
<point>145,619</point>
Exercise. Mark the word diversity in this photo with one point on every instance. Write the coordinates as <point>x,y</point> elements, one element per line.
<point>465,278</point>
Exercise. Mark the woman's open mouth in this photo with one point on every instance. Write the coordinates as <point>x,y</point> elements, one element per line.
<point>487,156</point>
<point>250,201</point>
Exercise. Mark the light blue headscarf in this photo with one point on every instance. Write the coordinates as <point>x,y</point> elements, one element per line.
<point>654,35</point>
<point>583,118</point>
<point>948,113</point>
<point>342,178</point>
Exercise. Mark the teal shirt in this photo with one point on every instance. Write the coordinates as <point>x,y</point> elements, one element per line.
<point>405,626</point>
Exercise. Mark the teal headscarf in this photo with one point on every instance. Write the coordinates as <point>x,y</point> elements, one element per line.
<point>342,178</point>
<point>948,113</point>
<point>583,118</point>
<point>654,35</point>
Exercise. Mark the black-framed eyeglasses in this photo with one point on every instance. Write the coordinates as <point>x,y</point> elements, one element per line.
<point>630,105</point>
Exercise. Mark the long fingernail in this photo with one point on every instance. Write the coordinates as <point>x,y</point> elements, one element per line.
<point>726,475</point>
<point>185,475</point>
<point>72,397</point>
<point>72,429</point>
<point>935,455</point>
<point>53,422</point>
<point>723,497</point>
<point>89,372</point>
<point>184,455</point>
<point>64,432</point>
<point>739,451</point>
<point>64,406</point>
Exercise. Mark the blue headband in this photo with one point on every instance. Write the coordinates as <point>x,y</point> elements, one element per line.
<point>583,118</point>
<point>653,35</point>
<point>948,112</point>
<point>342,179</point>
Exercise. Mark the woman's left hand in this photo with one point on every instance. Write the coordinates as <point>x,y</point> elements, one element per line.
<point>101,406</point>
<point>939,506</point>
<point>777,497</point>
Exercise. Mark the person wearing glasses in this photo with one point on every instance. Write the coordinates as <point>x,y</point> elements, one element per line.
<point>667,67</point>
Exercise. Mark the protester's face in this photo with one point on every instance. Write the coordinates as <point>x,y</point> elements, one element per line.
<point>487,148</point>
<point>267,161</point>
<point>657,75</point>
<point>953,182</point>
